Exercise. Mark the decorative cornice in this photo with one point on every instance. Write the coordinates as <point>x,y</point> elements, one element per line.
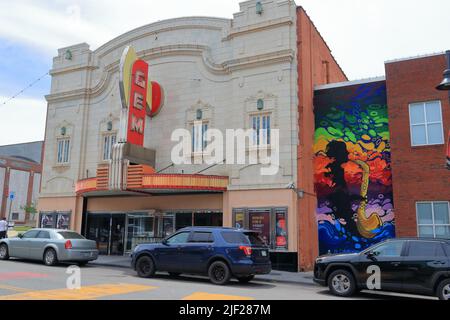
<point>266,25</point>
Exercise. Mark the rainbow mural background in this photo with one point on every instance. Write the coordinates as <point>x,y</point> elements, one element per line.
<point>353,177</point>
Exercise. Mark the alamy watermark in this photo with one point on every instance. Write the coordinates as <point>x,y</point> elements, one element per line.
<point>73,281</point>
<point>237,146</point>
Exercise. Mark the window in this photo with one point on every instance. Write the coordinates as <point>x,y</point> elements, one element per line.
<point>63,151</point>
<point>199,142</point>
<point>109,141</point>
<point>433,219</point>
<point>389,249</point>
<point>70,235</point>
<point>179,238</point>
<point>425,249</point>
<point>44,235</point>
<point>30,234</point>
<point>202,237</point>
<point>234,237</point>
<point>426,123</point>
<point>261,129</point>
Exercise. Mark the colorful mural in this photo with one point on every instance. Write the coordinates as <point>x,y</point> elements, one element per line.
<point>352,174</point>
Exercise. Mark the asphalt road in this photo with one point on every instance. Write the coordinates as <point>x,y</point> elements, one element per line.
<point>25,280</point>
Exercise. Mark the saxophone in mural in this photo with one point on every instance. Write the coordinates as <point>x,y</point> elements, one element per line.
<point>367,226</point>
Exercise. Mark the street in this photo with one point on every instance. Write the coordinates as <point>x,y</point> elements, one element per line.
<point>25,280</point>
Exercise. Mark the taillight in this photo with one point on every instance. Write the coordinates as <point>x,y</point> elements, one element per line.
<point>247,250</point>
<point>68,244</point>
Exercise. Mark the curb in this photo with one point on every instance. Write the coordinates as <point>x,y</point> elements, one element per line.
<point>306,281</point>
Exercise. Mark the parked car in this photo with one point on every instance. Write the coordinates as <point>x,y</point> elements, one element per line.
<point>220,253</point>
<point>416,266</point>
<point>51,246</point>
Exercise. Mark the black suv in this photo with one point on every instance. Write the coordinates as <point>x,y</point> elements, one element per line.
<point>417,266</point>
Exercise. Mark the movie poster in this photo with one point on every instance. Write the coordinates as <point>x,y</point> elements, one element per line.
<point>260,222</point>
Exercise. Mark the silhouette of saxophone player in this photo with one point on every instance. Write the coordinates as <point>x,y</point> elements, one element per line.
<point>341,200</point>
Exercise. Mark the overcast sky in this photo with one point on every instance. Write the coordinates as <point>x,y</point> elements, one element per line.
<point>361,33</point>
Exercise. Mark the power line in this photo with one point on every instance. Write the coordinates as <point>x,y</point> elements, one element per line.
<point>24,89</point>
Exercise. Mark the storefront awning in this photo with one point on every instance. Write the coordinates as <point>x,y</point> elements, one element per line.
<point>141,182</point>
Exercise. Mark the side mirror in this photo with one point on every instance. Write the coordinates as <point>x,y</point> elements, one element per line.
<point>370,254</point>
<point>164,242</point>
<point>20,235</point>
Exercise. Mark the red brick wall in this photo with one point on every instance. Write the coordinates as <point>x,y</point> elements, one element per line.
<point>419,173</point>
<point>316,66</point>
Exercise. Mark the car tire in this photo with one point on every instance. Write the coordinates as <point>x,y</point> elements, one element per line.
<point>219,273</point>
<point>174,274</point>
<point>246,279</point>
<point>50,257</point>
<point>4,252</point>
<point>83,264</point>
<point>443,290</point>
<point>342,283</point>
<point>145,267</point>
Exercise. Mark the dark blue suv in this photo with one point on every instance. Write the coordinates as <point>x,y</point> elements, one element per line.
<point>220,253</point>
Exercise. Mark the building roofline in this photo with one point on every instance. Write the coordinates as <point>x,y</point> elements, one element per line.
<point>349,83</point>
<point>429,55</point>
<point>324,41</point>
<point>18,144</point>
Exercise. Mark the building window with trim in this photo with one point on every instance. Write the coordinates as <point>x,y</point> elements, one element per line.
<point>261,125</point>
<point>199,130</point>
<point>426,123</point>
<point>63,155</point>
<point>433,219</point>
<point>109,140</point>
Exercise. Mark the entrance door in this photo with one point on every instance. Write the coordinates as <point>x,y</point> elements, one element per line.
<point>108,231</point>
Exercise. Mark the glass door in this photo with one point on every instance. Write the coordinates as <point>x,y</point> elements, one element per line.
<point>108,231</point>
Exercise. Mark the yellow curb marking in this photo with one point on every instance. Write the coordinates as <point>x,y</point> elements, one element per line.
<point>213,296</point>
<point>85,293</point>
<point>11,288</point>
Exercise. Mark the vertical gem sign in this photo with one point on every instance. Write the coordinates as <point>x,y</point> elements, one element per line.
<point>138,103</point>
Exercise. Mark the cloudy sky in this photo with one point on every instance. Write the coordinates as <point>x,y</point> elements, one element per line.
<point>362,35</point>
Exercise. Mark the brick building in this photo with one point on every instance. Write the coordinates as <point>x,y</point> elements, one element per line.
<point>20,178</point>
<point>419,117</point>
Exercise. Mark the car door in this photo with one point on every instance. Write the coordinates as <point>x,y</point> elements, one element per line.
<point>388,257</point>
<point>423,261</point>
<point>169,253</point>
<point>37,245</point>
<point>21,246</point>
<point>196,253</point>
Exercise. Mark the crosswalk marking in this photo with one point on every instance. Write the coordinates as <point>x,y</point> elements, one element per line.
<point>214,296</point>
<point>85,293</point>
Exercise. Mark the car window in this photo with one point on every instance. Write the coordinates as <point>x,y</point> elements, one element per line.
<point>235,237</point>
<point>179,238</point>
<point>43,235</point>
<point>389,249</point>
<point>425,249</point>
<point>202,237</point>
<point>70,235</point>
<point>254,238</point>
<point>30,234</point>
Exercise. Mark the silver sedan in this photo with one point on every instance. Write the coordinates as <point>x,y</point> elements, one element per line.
<point>50,246</point>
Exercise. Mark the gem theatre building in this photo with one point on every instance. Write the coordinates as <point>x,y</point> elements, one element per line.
<point>112,177</point>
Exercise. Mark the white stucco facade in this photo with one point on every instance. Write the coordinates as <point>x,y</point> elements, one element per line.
<point>220,66</point>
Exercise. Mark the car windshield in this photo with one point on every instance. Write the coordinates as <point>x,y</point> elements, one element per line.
<point>70,235</point>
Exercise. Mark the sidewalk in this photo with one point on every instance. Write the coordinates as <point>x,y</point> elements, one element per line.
<point>304,278</point>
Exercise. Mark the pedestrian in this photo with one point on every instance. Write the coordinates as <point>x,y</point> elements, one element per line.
<point>3,228</point>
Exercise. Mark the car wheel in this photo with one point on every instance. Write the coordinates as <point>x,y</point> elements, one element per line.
<point>443,290</point>
<point>83,263</point>
<point>342,283</point>
<point>4,253</point>
<point>174,274</point>
<point>219,273</point>
<point>145,267</point>
<point>50,258</point>
<point>245,279</point>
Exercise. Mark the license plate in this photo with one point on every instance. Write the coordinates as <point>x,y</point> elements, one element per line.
<point>264,253</point>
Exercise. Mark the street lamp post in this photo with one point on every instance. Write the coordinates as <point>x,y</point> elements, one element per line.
<point>445,86</point>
